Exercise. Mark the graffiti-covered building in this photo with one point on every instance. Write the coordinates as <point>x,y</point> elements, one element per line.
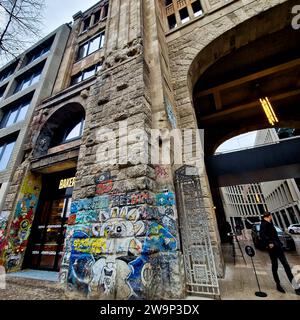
<point>24,83</point>
<point>102,194</point>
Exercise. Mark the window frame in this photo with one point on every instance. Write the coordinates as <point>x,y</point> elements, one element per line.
<point>82,125</point>
<point>33,75</point>
<point>100,35</point>
<point>2,91</point>
<point>8,71</point>
<point>80,75</point>
<point>32,56</point>
<point>3,146</point>
<point>18,108</point>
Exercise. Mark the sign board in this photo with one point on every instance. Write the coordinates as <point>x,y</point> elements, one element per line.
<point>67,183</point>
<point>250,251</point>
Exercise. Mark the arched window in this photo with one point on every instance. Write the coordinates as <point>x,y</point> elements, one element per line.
<point>64,125</point>
<point>75,132</point>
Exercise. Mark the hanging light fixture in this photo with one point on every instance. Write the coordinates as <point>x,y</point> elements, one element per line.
<point>269,111</point>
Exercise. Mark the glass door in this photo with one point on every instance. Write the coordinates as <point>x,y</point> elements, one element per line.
<point>49,235</point>
<point>49,228</point>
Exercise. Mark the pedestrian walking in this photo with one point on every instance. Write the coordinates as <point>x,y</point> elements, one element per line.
<point>272,243</point>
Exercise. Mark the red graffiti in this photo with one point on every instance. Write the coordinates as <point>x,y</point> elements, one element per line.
<point>72,219</point>
<point>104,187</point>
<point>161,172</point>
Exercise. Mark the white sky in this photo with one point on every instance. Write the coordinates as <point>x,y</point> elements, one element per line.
<point>58,12</point>
<point>238,142</point>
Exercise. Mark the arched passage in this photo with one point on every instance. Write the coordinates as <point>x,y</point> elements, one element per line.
<point>259,58</point>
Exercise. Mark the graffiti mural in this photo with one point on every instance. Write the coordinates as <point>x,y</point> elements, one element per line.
<point>111,238</point>
<point>23,218</point>
<point>170,113</point>
<point>116,255</point>
<point>165,198</point>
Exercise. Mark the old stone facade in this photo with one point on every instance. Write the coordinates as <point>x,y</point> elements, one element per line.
<point>128,68</point>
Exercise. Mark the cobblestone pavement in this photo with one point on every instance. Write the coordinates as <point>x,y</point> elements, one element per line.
<point>239,282</point>
<point>29,289</point>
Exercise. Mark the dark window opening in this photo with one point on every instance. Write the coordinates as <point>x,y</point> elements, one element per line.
<point>172,21</point>
<point>91,46</point>
<point>168,2</point>
<point>198,11</point>
<point>97,17</point>
<point>86,24</point>
<point>105,11</point>
<point>2,90</point>
<point>184,15</point>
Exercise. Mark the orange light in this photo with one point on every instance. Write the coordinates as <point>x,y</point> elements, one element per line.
<point>269,111</point>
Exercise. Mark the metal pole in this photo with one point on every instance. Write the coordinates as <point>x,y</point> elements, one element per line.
<point>255,275</point>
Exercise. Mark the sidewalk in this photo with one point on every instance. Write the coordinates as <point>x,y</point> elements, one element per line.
<point>240,282</point>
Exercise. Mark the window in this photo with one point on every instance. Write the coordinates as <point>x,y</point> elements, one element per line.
<point>2,90</point>
<point>8,71</point>
<point>168,2</point>
<point>197,8</point>
<point>28,80</point>
<point>105,11</point>
<point>6,149</point>
<point>91,46</point>
<point>75,132</point>
<point>97,16</point>
<point>172,21</point>
<point>86,24</point>
<point>42,50</point>
<point>15,115</point>
<point>184,15</point>
<point>87,73</point>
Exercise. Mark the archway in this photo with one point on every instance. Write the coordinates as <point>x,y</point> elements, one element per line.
<point>230,76</point>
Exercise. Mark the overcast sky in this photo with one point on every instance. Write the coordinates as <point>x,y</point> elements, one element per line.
<point>58,12</point>
<point>239,142</point>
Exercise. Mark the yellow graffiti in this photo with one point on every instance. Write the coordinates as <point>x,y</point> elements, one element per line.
<point>31,184</point>
<point>90,245</point>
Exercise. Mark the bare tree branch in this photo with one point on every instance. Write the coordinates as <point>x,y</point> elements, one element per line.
<point>20,25</point>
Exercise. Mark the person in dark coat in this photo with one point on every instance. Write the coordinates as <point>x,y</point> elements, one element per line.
<point>270,239</point>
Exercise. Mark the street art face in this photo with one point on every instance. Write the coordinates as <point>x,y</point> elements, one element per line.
<point>122,223</point>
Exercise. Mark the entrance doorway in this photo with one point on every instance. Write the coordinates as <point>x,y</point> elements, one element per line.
<point>46,241</point>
